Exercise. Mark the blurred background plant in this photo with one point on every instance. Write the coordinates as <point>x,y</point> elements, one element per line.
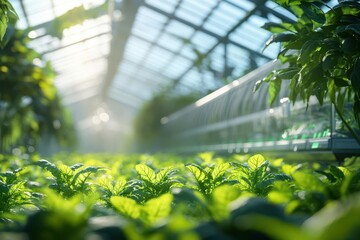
<point>30,106</point>
<point>149,120</point>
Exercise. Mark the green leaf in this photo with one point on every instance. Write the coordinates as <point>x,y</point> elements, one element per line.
<point>345,171</point>
<point>340,101</point>
<point>84,171</point>
<point>280,37</point>
<point>350,45</point>
<point>348,19</point>
<point>3,24</point>
<point>219,170</point>
<point>274,89</point>
<point>256,161</point>
<point>356,110</point>
<point>308,182</point>
<point>287,73</point>
<point>221,197</point>
<point>307,51</point>
<point>8,176</point>
<point>278,27</point>
<point>162,174</point>
<point>336,172</point>
<point>352,28</point>
<point>341,82</point>
<point>355,76</point>
<point>76,166</point>
<point>119,185</point>
<point>157,208</point>
<point>328,62</point>
<point>126,206</point>
<point>313,12</point>
<point>339,220</point>
<point>265,79</point>
<point>146,173</point>
<point>55,171</point>
<point>197,171</point>
<point>332,90</point>
<point>8,17</point>
<point>329,176</point>
<point>274,228</point>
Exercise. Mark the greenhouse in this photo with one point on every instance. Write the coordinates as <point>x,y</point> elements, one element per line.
<point>179,119</point>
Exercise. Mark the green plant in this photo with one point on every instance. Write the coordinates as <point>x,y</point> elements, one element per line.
<point>8,16</point>
<point>218,198</point>
<point>110,187</point>
<point>154,184</point>
<point>255,176</point>
<point>59,218</point>
<point>208,178</point>
<point>321,55</point>
<point>30,106</point>
<point>149,213</point>
<point>69,180</point>
<point>13,192</point>
<point>73,17</point>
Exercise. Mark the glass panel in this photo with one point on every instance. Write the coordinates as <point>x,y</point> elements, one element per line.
<point>41,17</point>
<point>179,29</point>
<point>157,59</point>
<point>243,4</point>
<point>150,17</point>
<point>176,67</point>
<point>199,6</point>
<point>136,49</point>
<point>203,42</point>
<point>167,6</point>
<point>193,78</point>
<point>190,14</point>
<point>145,31</point>
<point>62,6</point>
<point>238,58</point>
<point>170,42</point>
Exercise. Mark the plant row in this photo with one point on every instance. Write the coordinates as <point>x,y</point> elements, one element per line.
<point>164,196</point>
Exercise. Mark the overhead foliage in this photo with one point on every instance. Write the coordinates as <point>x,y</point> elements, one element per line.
<point>321,54</point>
<point>29,103</point>
<point>74,17</point>
<point>8,16</point>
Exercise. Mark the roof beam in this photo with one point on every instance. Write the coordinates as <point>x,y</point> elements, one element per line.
<point>24,12</point>
<point>161,47</point>
<point>226,40</point>
<point>152,44</point>
<point>202,29</point>
<point>121,31</point>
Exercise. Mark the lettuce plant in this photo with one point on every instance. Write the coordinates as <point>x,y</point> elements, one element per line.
<point>255,175</point>
<point>13,192</point>
<point>207,178</point>
<point>153,184</point>
<point>69,180</point>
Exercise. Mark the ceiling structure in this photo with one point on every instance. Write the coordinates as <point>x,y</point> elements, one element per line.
<point>115,61</point>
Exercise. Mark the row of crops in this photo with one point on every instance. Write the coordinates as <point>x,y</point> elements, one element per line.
<point>98,197</point>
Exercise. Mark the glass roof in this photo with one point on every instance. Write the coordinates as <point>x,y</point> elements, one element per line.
<point>132,50</point>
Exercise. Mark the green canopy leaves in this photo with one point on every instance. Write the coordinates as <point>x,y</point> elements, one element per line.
<point>321,54</point>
